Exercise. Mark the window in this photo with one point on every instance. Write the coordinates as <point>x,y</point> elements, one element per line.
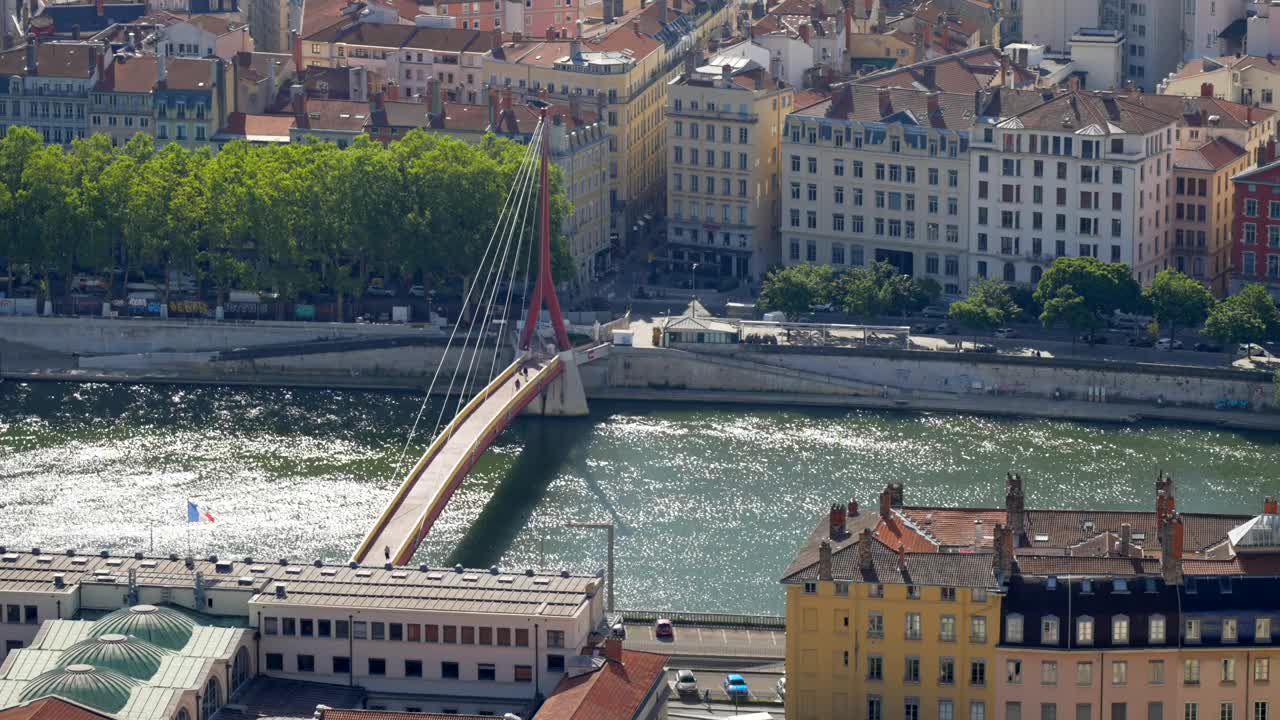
<point>1155,629</point>
<point>1228,670</point>
<point>947,671</point>
<point>1119,672</point>
<point>1155,672</point>
<point>290,626</point>
<point>268,626</point>
<point>1230,630</point>
<point>324,628</point>
<point>413,668</point>
<point>555,663</point>
<point>1226,711</point>
<point>275,661</point>
<point>449,670</point>
<point>1260,710</point>
<point>911,670</point>
<point>555,638</point>
<point>306,628</point>
<point>1013,628</point>
<point>341,664</point>
<point>875,667</point>
<point>486,672</point>
<point>873,707</point>
<point>377,666</point>
<point>450,634</point>
<point>1192,630</point>
<point>1084,630</point>
<point>524,673</point>
<point>977,710</point>
<point>1084,674</point>
<point>1048,711</point>
<point>1190,711</point>
<point>946,710</point>
<point>1013,711</point>
<point>1013,671</point>
<point>360,630</point>
<point>978,672</point>
<point>978,629</point>
<point>379,630</point>
<point>947,624</point>
<point>1049,630</point>
<point>1120,629</point>
<point>1191,671</point>
<point>911,709</point>
<point>1049,672</point>
<point>913,626</point>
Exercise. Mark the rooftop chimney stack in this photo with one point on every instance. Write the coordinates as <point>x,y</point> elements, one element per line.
<point>902,557</point>
<point>726,74</point>
<point>1171,533</point>
<point>1015,507</point>
<point>977,533</point>
<point>1270,506</point>
<point>1002,558</point>
<point>824,560</point>
<point>865,559</point>
<point>1126,539</point>
<point>296,42</point>
<point>886,101</point>
<point>886,501</point>
<point>75,32</point>
<point>853,508</point>
<point>1206,90</point>
<point>298,98</point>
<point>837,522</point>
<point>613,649</point>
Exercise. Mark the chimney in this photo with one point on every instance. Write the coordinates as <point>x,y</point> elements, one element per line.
<point>929,77</point>
<point>1002,557</point>
<point>296,41</point>
<point>33,64</point>
<point>437,100</point>
<point>75,32</point>
<point>1206,90</point>
<point>393,91</point>
<point>886,501</point>
<point>726,74</point>
<point>506,100</point>
<point>575,108</point>
<point>837,526</point>
<point>358,82</point>
<point>935,108</point>
<point>575,49</point>
<point>298,98</point>
<point>865,559</point>
<point>977,532</point>
<point>1165,503</point>
<point>824,560</point>
<point>551,33</point>
<point>496,38</point>
<point>101,7</point>
<point>853,508</point>
<point>902,557</point>
<point>271,78</point>
<point>1270,507</point>
<point>162,69</point>
<point>280,591</point>
<point>1126,539</point>
<point>886,102</point>
<point>378,101</point>
<point>804,33</point>
<point>613,649</point>
<point>895,494</point>
<point>1171,549</point>
<point>1015,507</point>
<point>93,59</point>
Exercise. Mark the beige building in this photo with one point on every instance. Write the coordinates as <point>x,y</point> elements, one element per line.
<point>623,75</point>
<point>1248,80</point>
<point>880,174</point>
<point>724,131</point>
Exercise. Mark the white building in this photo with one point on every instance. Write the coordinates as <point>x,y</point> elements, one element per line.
<point>1203,22</point>
<point>201,36</point>
<point>880,174</point>
<point>1052,22</point>
<point>1100,55</point>
<point>1077,174</point>
<point>420,638</point>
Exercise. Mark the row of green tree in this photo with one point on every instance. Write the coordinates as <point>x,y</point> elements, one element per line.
<point>1079,293</point>
<point>294,218</point>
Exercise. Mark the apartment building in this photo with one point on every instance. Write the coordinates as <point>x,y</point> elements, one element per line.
<point>880,174</point>
<point>724,131</point>
<point>47,87</point>
<point>1255,241</point>
<point>202,36</point>
<point>121,104</point>
<point>1077,174</point>
<point>1203,211</point>
<point>881,627</point>
<point>1247,79</point>
<point>625,72</point>
<point>1205,26</point>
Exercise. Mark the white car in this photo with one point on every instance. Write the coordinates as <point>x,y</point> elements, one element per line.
<point>1167,344</point>
<point>417,291</point>
<point>686,683</point>
<point>781,687</point>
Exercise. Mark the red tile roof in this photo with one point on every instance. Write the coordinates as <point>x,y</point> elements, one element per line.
<point>896,531</point>
<point>1213,155</point>
<point>616,691</point>
<point>52,708</point>
<point>258,127</point>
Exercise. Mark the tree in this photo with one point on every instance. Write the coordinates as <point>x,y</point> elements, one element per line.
<point>1068,308</point>
<point>987,306</point>
<point>1104,287</point>
<point>796,289</point>
<point>1178,300</point>
<point>1249,316</point>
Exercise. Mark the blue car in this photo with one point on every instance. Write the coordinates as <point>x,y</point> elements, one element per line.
<point>735,686</point>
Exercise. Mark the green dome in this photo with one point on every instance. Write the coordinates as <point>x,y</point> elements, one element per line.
<point>101,689</point>
<point>126,655</point>
<point>158,626</point>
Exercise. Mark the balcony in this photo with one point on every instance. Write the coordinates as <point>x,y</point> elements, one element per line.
<point>712,114</point>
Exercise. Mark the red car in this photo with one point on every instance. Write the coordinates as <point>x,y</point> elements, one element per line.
<point>663,629</point>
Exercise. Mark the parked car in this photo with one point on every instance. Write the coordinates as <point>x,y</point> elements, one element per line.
<point>1167,344</point>
<point>1141,341</point>
<point>781,687</point>
<point>946,329</point>
<point>1093,339</point>
<point>686,683</point>
<point>982,349</point>
<point>417,291</point>
<point>1005,332</point>
<point>824,307</point>
<point>664,629</point>
<point>934,311</point>
<point>1207,347</point>
<point>924,328</point>
<point>735,686</point>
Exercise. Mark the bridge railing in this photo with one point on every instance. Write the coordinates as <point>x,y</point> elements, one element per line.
<point>763,622</point>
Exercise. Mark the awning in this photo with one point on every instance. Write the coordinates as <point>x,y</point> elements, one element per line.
<point>1234,32</point>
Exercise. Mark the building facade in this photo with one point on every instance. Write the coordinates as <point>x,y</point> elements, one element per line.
<point>880,174</point>
<point>724,129</point>
<point>1255,242</point>
<point>1077,174</point>
<point>47,86</point>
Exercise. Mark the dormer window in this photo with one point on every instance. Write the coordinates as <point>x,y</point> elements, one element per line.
<point>1120,629</point>
<point>1049,630</point>
<point>1013,628</point>
<point>1084,630</point>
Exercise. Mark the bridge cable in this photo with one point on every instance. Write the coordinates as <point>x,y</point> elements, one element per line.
<point>511,283</point>
<point>452,335</point>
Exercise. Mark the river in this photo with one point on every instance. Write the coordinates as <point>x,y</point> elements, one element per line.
<point>710,502</point>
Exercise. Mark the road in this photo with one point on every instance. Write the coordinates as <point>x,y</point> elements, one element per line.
<point>713,643</point>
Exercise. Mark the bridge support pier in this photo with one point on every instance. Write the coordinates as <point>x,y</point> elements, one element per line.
<point>565,396</point>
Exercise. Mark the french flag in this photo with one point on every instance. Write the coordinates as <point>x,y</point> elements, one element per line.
<point>197,515</point>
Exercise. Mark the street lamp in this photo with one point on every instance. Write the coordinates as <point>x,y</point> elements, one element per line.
<point>601,526</point>
<point>693,280</point>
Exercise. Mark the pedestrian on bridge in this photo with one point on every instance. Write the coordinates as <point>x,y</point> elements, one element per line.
<point>386,550</point>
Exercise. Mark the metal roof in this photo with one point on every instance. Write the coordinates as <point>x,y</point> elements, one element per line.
<point>149,703</point>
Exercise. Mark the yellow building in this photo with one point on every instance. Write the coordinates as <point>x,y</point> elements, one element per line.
<point>883,626</point>
<point>622,72</point>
